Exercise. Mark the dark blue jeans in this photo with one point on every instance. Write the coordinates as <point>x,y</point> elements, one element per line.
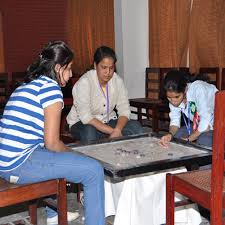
<point>88,134</point>
<point>205,138</point>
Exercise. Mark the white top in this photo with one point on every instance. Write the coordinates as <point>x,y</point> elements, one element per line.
<point>202,95</point>
<point>90,102</point>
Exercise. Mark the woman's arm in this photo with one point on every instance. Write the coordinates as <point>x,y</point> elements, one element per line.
<point>164,141</point>
<point>121,123</point>
<point>52,119</point>
<point>99,125</point>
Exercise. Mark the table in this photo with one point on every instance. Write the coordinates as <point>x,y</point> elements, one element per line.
<point>135,182</point>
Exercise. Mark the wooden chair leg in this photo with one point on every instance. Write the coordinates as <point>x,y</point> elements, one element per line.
<point>216,215</point>
<point>33,212</point>
<point>62,203</point>
<point>170,204</point>
<point>155,122</point>
<point>78,193</point>
<point>139,116</point>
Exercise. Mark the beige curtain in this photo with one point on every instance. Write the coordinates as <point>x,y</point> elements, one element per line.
<point>2,59</point>
<point>91,24</point>
<point>168,32</point>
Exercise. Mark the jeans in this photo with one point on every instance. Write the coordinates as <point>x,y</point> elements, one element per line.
<point>205,138</point>
<point>88,134</point>
<point>45,165</point>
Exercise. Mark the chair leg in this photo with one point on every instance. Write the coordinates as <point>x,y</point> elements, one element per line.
<point>170,205</point>
<point>155,122</point>
<point>33,212</point>
<point>62,203</point>
<point>78,193</point>
<point>139,115</point>
<point>216,214</point>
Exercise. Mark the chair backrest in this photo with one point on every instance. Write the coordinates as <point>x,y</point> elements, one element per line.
<point>154,81</point>
<point>223,79</point>
<point>213,73</point>
<point>4,90</point>
<point>16,80</point>
<point>67,90</point>
<point>218,164</point>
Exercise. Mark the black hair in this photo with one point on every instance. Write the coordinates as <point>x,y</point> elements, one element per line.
<point>56,52</point>
<point>176,80</point>
<point>104,52</point>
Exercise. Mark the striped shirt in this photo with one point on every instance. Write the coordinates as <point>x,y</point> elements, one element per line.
<point>22,124</point>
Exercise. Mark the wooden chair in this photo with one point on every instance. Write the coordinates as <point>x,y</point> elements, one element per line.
<point>155,102</point>
<point>17,79</point>
<point>205,187</point>
<point>4,92</point>
<point>214,75</point>
<point>223,79</point>
<point>11,194</point>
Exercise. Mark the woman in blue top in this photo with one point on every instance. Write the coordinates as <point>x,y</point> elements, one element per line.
<point>30,147</point>
<point>192,99</point>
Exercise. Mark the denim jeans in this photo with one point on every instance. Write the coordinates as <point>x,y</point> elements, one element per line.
<point>205,138</point>
<point>45,165</point>
<point>88,134</point>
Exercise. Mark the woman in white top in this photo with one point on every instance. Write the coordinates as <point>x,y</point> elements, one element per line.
<point>192,100</point>
<point>95,97</point>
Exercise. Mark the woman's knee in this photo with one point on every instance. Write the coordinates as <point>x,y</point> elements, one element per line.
<point>133,127</point>
<point>205,139</point>
<point>88,133</point>
<point>181,133</point>
<point>96,171</point>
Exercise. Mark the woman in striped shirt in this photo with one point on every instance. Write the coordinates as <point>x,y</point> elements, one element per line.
<point>30,145</point>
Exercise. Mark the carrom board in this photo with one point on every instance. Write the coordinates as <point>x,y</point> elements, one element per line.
<point>143,154</point>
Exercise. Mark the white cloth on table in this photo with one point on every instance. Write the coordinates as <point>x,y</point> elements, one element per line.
<point>141,200</point>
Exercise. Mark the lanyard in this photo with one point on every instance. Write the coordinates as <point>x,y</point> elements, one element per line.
<point>107,99</point>
<point>187,124</point>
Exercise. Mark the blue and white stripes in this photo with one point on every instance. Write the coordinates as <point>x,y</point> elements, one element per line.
<point>22,124</point>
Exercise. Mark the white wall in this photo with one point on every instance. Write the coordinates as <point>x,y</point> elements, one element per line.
<point>131,43</point>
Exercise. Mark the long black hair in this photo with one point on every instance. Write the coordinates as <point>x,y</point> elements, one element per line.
<point>56,52</point>
<point>176,80</point>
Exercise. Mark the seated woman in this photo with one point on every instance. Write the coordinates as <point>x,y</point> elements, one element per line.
<point>30,147</point>
<point>193,99</point>
<point>96,95</point>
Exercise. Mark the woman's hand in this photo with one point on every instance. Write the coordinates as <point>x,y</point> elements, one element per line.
<point>164,141</point>
<point>116,133</point>
<point>186,139</point>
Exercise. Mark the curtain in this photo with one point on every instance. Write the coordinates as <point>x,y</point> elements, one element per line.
<point>179,27</point>
<point>2,60</point>
<point>207,34</point>
<point>168,32</point>
<point>91,24</point>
